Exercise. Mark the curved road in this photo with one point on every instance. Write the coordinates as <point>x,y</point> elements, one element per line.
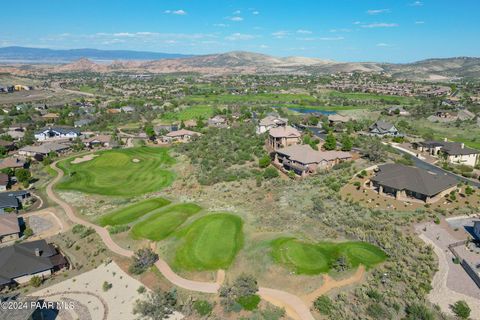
<point>294,306</point>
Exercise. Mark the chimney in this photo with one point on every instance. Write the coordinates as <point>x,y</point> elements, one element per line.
<point>463,145</point>
<point>445,140</point>
<point>37,252</point>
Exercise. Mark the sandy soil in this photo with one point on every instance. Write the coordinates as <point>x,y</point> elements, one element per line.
<point>85,158</point>
<point>91,301</point>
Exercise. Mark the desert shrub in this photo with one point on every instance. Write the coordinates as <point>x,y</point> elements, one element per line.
<point>142,260</point>
<point>158,305</point>
<point>35,281</point>
<point>324,305</point>
<point>249,302</point>
<point>270,173</point>
<point>203,307</point>
<point>118,229</point>
<point>264,161</point>
<point>244,286</point>
<point>461,309</point>
<point>106,286</point>
<point>418,312</point>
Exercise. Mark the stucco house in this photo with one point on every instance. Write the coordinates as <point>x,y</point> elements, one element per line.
<point>382,129</point>
<point>101,140</point>
<point>181,135</point>
<point>410,183</point>
<point>217,121</point>
<point>303,160</point>
<point>22,261</point>
<point>452,152</point>
<point>270,122</point>
<point>43,150</point>
<point>282,137</point>
<point>9,227</point>
<point>57,133</point>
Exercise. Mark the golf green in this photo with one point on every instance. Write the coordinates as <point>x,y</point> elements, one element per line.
<point>161,223</point>
<point>209,243</point>
<point>132,212</point>
<point>315,258</point>
<point>122,172</point>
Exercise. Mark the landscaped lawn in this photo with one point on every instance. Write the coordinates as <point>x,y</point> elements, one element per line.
<point>209,243</point>
<point>315,258</point>
<point>122,172</point>
<point>372,96</point>
<point>132,212</point>
<point>163,222</point>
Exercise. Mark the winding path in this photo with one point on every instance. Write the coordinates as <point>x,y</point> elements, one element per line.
<point>294,306</point>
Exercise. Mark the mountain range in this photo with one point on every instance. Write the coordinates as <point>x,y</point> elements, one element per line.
<point>238,62</point>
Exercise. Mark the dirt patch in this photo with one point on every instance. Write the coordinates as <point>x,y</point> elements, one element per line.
<point>85,158</point>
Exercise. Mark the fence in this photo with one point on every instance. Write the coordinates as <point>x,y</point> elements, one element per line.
<point>465,265</point>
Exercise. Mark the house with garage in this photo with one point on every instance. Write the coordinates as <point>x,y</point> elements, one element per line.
<point>217,121</point>
<point>4,181</point>
<point>269,122</point>
<point>282,137</point>
<point>22,261</point>
<point>38,152</point>
<point>452,152</point>
<point>181,135</point>
<point>12,200</point>
<point>12,163</point>
<point>9,227</point>
<point>100,140</point>
<point>57,133</point>
<point>397,111</point>
<point>408,183</point>
<point>383,129</point>
<point>303,160</point>
<point>50,117</point>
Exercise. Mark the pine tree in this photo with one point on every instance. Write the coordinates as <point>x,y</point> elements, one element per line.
<point>330,142</point>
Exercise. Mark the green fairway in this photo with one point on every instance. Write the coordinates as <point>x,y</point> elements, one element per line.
<point>245,98</point>
<point>164,222</point>
<point>190,113</point>
<point>210,243</point>
<point>315,258</point>
<point>122,172</point>
<point>131,212</point>
<point>373,96</point>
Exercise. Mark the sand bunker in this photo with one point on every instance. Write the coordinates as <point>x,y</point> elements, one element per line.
<point>136,160</point>
<point>85,158</point>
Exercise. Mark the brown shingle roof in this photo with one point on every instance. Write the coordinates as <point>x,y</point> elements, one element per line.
<point>284,132</point>
<point>8,224</point>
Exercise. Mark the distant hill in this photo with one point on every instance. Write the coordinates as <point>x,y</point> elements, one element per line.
<point>242,62</point>
<point>40,55</point>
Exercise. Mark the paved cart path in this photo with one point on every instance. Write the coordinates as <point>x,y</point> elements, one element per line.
<point>294,306</point>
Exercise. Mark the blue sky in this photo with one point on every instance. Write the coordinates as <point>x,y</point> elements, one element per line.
<point>343,30</point>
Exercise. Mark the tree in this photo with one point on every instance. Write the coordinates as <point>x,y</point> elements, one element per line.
<point>330,142</point>
<point>341,264</point>
<point>149,131</point>
<point>374,150</point>
<point>347,143</point>
<point>270,173</point>
<point>158,306</point>
<point>461,309</point>
<point>264,161</point>
<point>418,312</point>
<point>35,281</point>
<point>23,175</point>
<point>243,289</point>
<point>142,260</point>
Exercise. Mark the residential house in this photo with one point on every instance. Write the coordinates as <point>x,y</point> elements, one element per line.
<point>8,145</point>
<point>217,121</point>
<point>162,128</point>
<point>181,135</point>
<point>9,227</point>
<point>22,261</point>
<point>410,183</point>
<point>12,163</point>
<point>57,133</point>
<point>336,118</point>
<point>50,117</point>
<point>282,137</point>
<point>43,150</point>
<point>303,160</point>
<point>270,122</point>
<point>127,109</point>
<point>465,115</point>
<point>397,110</point>
<point>452,152</point>
<point>82,122</point>
<point>382,129</point>
<point>476,229</point>
<point>4,181</point>
<point>101,140</point>
<point>12,200</point>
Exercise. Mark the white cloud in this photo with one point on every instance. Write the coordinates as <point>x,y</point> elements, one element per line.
<point>264,46</point>
<point>179,12</point>
<point>331,38</point>
<point>220,25</point>
<point>303,31</point>
<point>377,11</point>
<point>419,22</point>
<point>240,36</point>
<point>383,44</point>
<point>340,30</point>
<point>237,12</point>
<point>255,12</point>
<point>380,25</point>
<point>236,18</point>
<point>124,34</point>
<point>357,22</point>
<point>416,4</point>
<point>280,34</point>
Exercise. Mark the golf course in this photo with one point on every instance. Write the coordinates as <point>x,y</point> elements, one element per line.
<point>316,258</point>
<point>132,212</point>
<point>161,223</point>
<point>119,172</point>
<point>209,243</point>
